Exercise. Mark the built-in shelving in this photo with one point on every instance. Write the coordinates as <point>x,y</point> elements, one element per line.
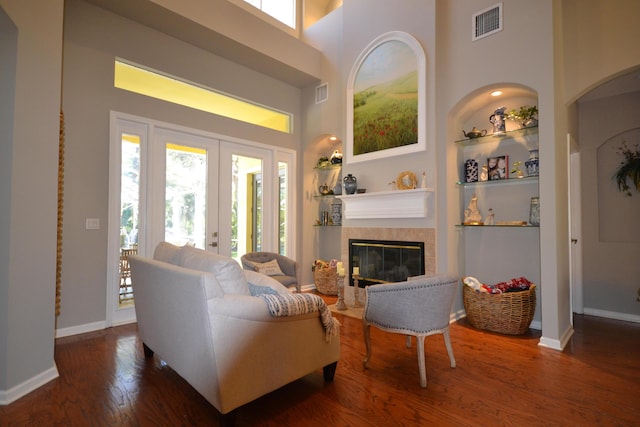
<point>510,181</point>
<point>522,132</point>
<point>496,226</point>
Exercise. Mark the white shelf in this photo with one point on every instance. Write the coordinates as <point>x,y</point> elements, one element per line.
<point>386,204</point>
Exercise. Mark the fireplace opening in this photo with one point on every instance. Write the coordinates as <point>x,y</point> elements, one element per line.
<point>385,261</point>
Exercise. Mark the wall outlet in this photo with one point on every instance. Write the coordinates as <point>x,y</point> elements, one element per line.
<point>638,299</point>
<point>92,223</point>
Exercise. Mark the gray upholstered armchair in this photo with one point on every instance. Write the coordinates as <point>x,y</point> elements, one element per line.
<point>253,260</point>
<point>418,307</point>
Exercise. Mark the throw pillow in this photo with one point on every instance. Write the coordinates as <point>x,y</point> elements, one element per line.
<point>260,290</point>
<point>271,268</point>
<point>166,252</point>
<point>227,271</point>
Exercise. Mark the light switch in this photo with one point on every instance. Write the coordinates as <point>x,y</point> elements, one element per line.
<point>92,223</point>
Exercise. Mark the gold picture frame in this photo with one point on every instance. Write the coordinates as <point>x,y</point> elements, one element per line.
<point>406,181</point>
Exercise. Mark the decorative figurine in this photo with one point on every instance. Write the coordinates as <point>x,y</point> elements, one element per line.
<point>515,170</point>
<point>472,215</point>
<point>491,218</point>
<point>424,180</point>
<point>484,175</point>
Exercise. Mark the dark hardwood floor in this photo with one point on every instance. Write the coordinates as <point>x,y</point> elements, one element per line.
<point>499,381</point>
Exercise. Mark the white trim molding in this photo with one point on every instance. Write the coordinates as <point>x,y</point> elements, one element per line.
<point>387,204</point>
<point>26,387</point>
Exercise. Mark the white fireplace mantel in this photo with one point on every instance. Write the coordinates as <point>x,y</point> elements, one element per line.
<point>387,204</point>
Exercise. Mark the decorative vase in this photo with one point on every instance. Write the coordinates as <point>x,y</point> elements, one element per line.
<point>336,213</point>
<point>350,184</point>
<point>533,164</point>
<point>497,120</point>
<point>534,211</point>
<point>471,171</point>
<point>337,190</point>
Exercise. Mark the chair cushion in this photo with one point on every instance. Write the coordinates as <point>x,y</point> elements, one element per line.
<point>270,268</point>
<point>227,271</point>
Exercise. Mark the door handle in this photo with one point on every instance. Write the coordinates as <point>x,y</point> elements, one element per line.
<point>214,244</point>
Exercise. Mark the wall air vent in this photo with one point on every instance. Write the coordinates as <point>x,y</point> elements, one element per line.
<point>486,22</point>
<point>322,93</point>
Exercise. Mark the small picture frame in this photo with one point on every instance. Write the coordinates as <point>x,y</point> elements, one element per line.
<point>498,167</point>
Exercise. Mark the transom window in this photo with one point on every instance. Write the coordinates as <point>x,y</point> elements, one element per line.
<point>282,10</point>
<point>152,83</point>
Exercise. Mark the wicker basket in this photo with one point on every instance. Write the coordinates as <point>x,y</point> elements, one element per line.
<point>326,280</point>
<point>508,313</point>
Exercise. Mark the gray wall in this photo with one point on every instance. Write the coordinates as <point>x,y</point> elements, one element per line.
<point>30,75</point>
<point>94,37</point>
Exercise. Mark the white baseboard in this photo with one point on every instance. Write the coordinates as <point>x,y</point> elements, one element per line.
<point>80,329</point>
<point>307,288</point>
<point>15,393</point>
<point>557,344</point>
<point>627,317</point>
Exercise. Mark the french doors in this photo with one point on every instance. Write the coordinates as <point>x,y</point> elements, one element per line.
<point>189,188</point>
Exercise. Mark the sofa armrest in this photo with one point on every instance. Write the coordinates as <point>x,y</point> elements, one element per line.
<point>252,309</point>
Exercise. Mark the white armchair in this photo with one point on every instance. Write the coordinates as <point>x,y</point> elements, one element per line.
<point>419,307</point>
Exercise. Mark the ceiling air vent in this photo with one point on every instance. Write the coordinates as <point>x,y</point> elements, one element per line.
<point>322,93</point>
<point>487,22</point>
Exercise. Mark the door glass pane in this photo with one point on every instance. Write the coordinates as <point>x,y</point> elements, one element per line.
<point>246,205</point>
<point>256,212</point>
<point>129,210</point>
<point>282,208</point>
<point>185,195</point>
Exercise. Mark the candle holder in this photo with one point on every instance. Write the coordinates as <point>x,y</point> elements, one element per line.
<point>340,305</point>
<point>356,292</point>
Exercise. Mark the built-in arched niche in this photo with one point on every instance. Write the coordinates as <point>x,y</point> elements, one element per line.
<point>501,241</point>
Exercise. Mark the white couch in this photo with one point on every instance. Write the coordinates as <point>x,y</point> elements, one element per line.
<point>196,312</point>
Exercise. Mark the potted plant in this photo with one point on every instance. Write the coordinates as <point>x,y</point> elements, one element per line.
<point>528,115</point>
<point>629,169</point>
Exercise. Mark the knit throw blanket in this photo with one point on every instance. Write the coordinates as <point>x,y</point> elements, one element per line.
<point>281,305</point>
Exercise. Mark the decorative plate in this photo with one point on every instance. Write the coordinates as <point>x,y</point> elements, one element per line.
<point>406,181</point>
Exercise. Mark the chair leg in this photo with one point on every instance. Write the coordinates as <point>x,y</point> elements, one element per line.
<point>366,328</point>
<point>447,343</point>
<point>422,368</point>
